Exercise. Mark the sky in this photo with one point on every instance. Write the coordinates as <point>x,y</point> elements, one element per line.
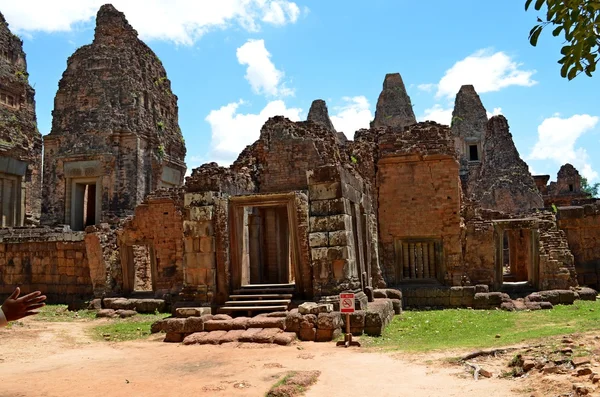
<point>235,63</point>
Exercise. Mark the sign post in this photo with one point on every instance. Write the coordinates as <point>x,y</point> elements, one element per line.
<point>347,307</point>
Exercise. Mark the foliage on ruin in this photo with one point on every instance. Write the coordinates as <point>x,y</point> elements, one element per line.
<point>579,23</point>
<point>591,189</point>
<point>466,328</point>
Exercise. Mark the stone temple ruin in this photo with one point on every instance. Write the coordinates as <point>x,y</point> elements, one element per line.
<point>407,214</point>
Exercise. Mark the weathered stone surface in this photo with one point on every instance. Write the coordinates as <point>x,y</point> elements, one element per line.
<point>266,322</point>
<point>307,334</point>
<point>285,338</point>
<point>587,294</point>
<point>106,313</point>
<point>193,324</point>
<point>184,312</point>
<point>95,304</point>
<point>249,334</point>
<point>195,338</point>
<point>125,313</point>
<point>226,325</point>
<point>505,183</point>
<point>319,114</point>
<point>267,335</point>
<point>139,305</point>
<point>327,335</point>
<point>329,321</point>
<point>394,108</point>
<point>397,303</point>
<point>221,317</point>
<point>213,337</point>
<point>174,337</point>
<point>293,320</point>
<point>115,85</point>
<point>232,336</point>
<point>20,140</point>
<point>174,325</point>
<point>315,308</point>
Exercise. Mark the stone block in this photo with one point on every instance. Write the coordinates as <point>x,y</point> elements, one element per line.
<point>566,297</point>
<point>173,337</point>
<point>95,304</point>
<point>266,322</point>
<point>456,292</point>
<point>482,288</point>
<point>201,214</point>
<point>249,334</point>
<point>397,304</point>
<point>125,313</point>
<point>193,324</point>
<point>329,321</point>
<point>318,239</point>
<point>340,238</point>
<point>184,312</point>
<point>174,325</point>
<point>325,191</point>
<point>308,321</point>
<point>214,337</point>
<point>232,336</point>
<point>380,293</point>
<point>327,335</point>
<point>357,320</point>
<point>106,313</point>
<point>551,296</point>
<point>285,338</point>
<point>393,293</point>
<point>307,334</point>
<point>199,199</point>
<point>587,294</point>
<point>267,335</point>
<point>293,320</point>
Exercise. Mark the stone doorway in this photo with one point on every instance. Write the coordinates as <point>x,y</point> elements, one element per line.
<point>85,203</point>
<point>517,252</point>
<point>264,241</point>
<point>266,246</point>
<point>139,268</point>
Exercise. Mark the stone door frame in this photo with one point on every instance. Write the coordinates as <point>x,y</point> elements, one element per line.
<point>236,219</point>
<point>529,225</point>
<point>128,265</point>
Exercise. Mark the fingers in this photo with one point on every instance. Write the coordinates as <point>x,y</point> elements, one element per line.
<point>35,300</point>
<point>29,313</point>
<point>15,293</point>
<point>36,306</point>
<point>29,297</point>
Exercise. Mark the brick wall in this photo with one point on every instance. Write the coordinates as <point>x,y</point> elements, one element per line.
<point>582,227</point>
<point>47,260</point>
<point>419,197</point>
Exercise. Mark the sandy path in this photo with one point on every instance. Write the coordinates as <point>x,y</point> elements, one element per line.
<point>58,359</point>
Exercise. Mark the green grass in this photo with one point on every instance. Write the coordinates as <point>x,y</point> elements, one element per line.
<point>464,328</point>
<point>60,313</point>
<point>119,330</point>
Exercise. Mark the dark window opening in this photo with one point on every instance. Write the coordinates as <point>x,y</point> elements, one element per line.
<point>473,153</point>
<point>570,188</point>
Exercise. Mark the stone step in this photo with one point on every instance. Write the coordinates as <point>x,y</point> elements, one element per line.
<point>266,291</point>
<point>263,286</point>
<point>260,297</point>
<point>252,309</point>
<point>265,302</point>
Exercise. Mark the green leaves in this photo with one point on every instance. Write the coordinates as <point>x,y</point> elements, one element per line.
<point>579,22</point>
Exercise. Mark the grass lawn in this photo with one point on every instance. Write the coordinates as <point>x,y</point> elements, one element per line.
<point>115,329</point>
<point>464,328</point>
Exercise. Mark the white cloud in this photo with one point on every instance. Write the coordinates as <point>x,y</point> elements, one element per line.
<point>438,114</point>
<point>495,112</point>
<point>233,131</point>
<point>556,141</point>
<point>180,21</point>
<point>261,73</point>
<point>352,116</point>
<point>486,71</point>
<point>427,87</point>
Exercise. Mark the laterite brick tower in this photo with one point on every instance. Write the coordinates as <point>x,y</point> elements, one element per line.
<point>115,134</point>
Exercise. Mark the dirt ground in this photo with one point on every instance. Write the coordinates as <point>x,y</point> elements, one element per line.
<point>59,359</point>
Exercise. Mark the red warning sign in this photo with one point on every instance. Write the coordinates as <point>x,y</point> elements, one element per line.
<point>347,303</point>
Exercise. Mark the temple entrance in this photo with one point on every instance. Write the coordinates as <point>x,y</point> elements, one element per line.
<point>84,204</point>
<point>516,252</point>
<point>267,246</point>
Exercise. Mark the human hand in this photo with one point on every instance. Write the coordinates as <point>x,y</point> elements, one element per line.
<point>15,308</point>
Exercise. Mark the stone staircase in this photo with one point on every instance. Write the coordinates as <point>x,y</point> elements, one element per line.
<point>259,298</point>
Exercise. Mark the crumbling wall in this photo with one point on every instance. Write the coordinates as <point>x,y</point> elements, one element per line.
<point>159,224</point>
<point>478,247</point>
<point>114,124</point>
<point>50,260</point>
<point>20,140</point>
<point>419,199</point>
<point>344,252</point>
<point>582,227</point>
<point>394,108</point>
<point>566,191</point>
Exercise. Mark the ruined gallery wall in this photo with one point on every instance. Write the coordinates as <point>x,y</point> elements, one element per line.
<point>158,224</point>
<point>419,202</point>
<point>343,243</point>
<point>582,227</point>
<point>45,259</point>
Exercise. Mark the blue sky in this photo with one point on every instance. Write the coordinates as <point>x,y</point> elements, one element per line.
<point>234,63</point>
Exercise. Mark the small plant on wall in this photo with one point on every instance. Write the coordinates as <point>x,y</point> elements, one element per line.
<point>160,152</point>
